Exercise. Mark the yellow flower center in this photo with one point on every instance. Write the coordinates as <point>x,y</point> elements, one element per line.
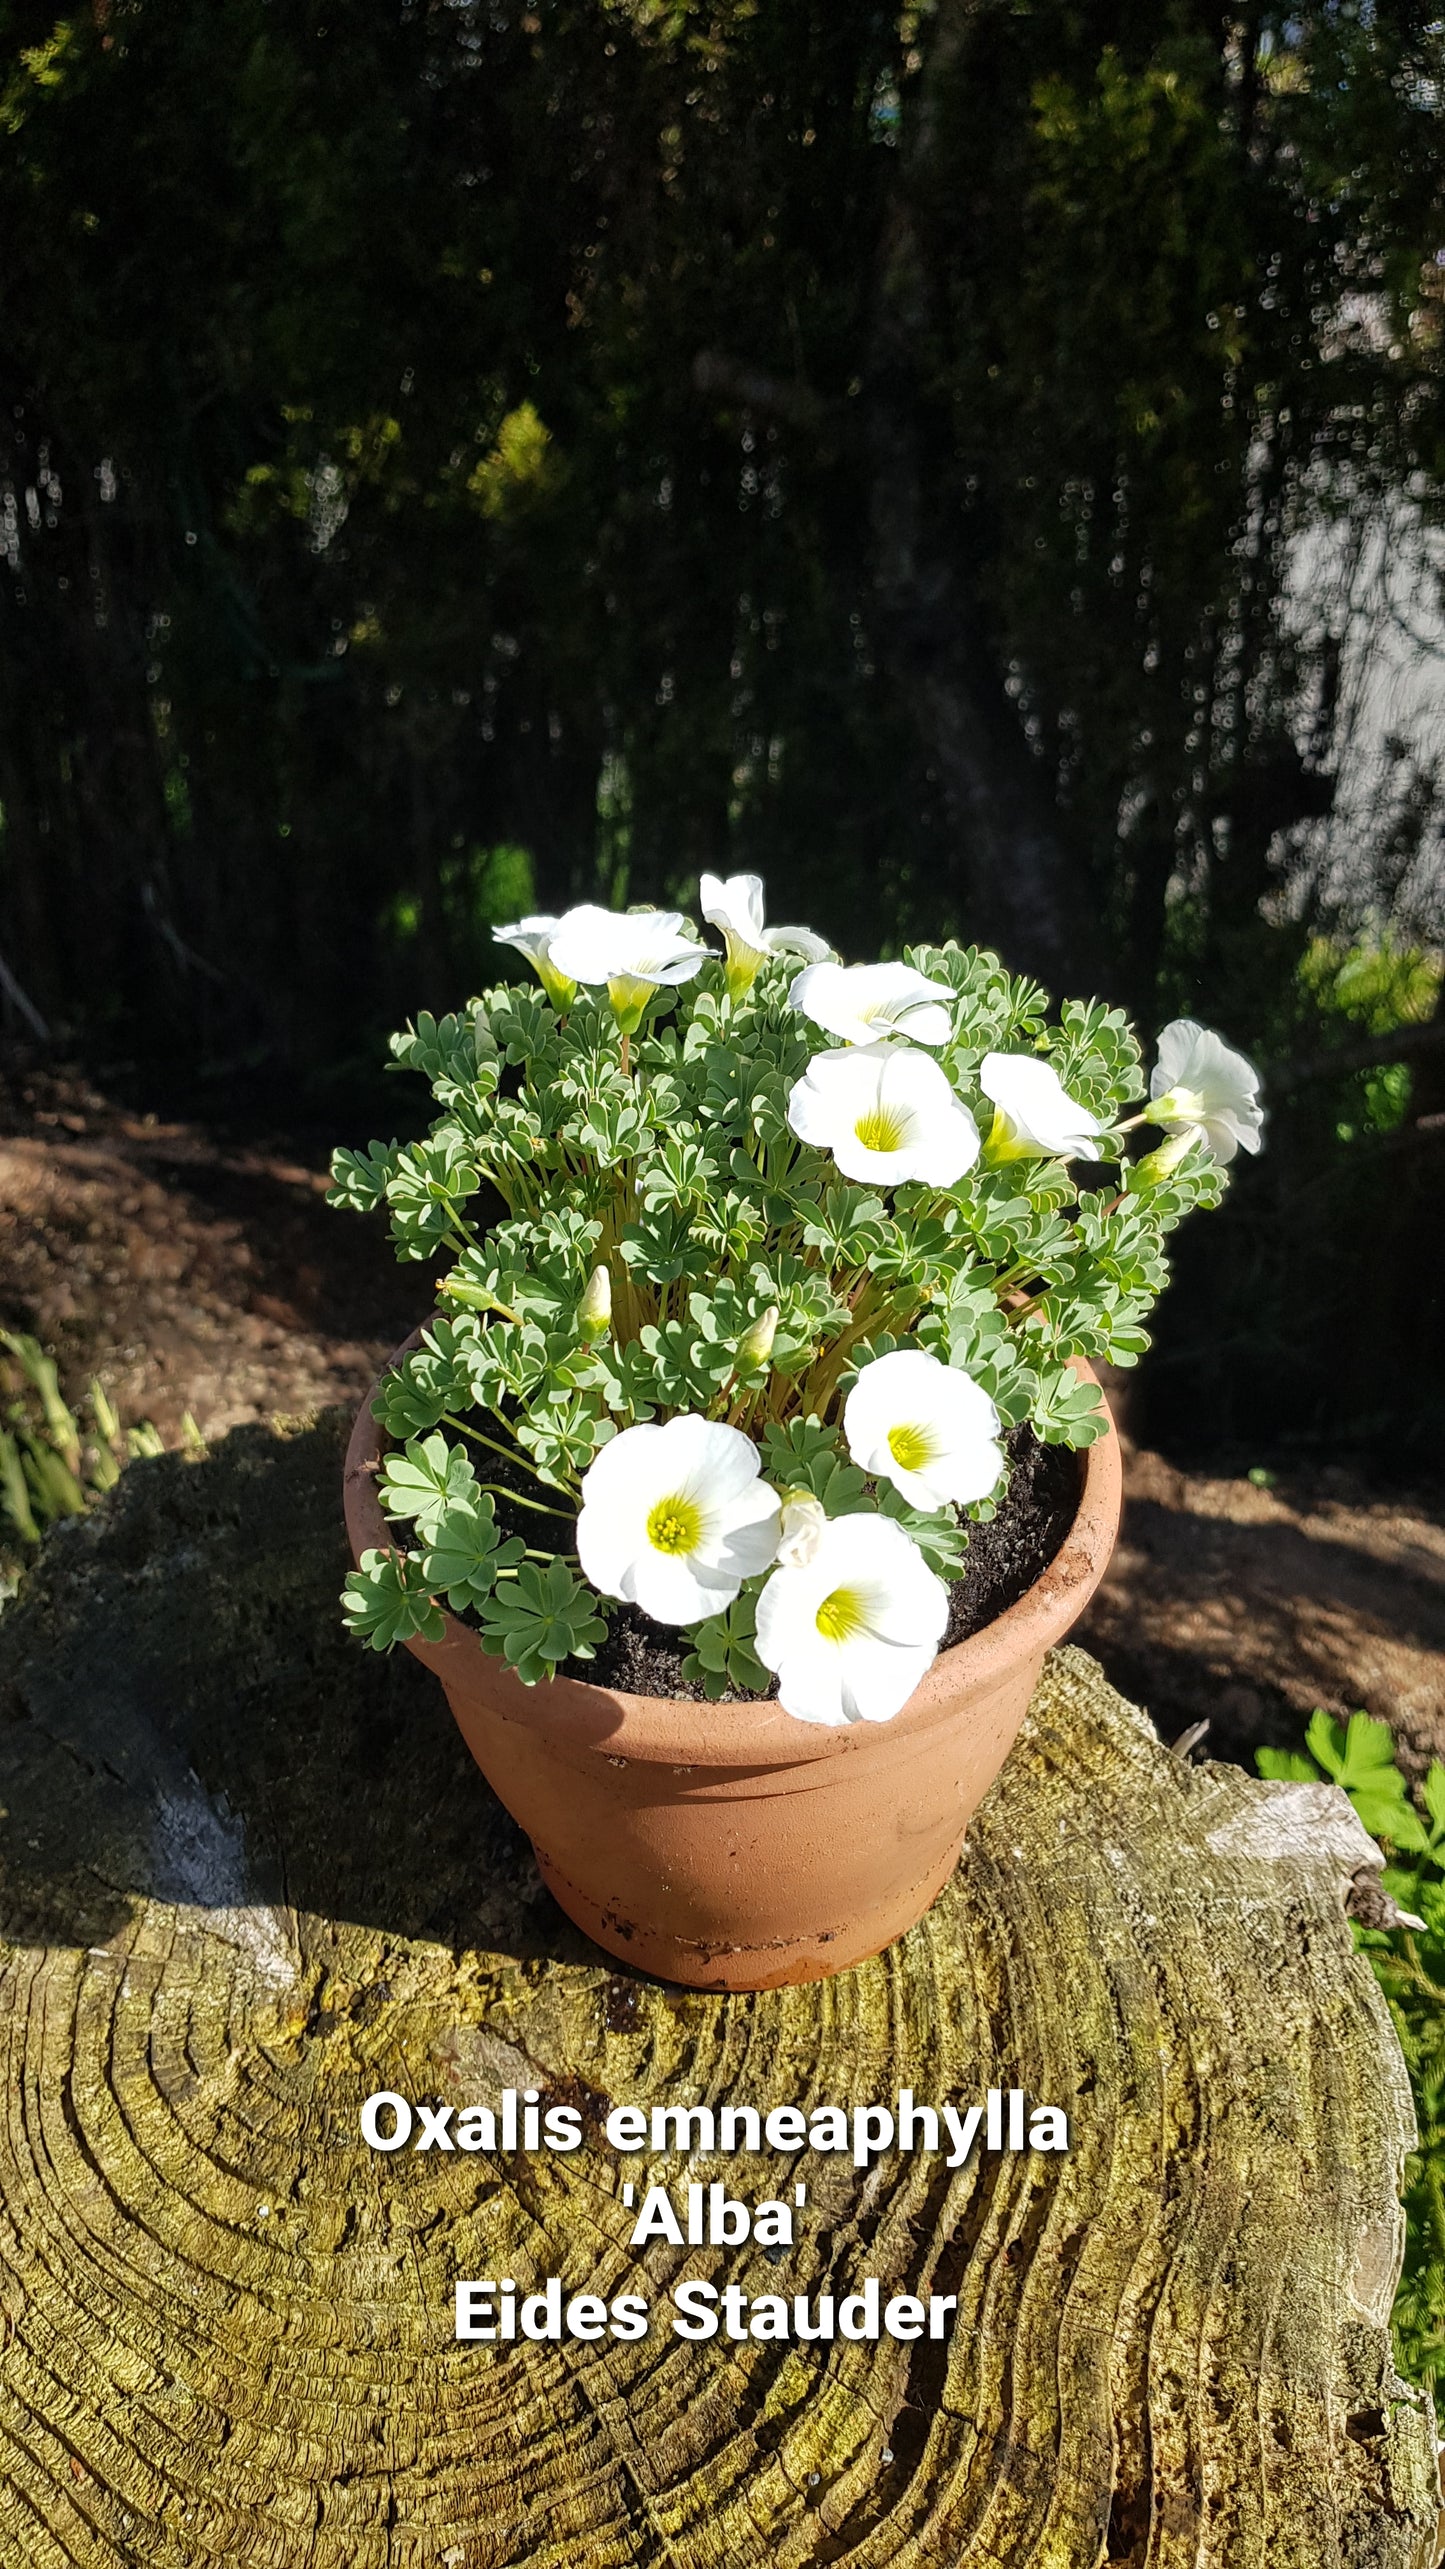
<point>841,1615</point>
<point>882,1129</point>
<point>675,1525</point>
<point>910,1447</point>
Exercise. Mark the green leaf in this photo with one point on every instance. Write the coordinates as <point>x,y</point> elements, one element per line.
<point>465,1552</point>
<point>1286,1766</point>
<point>1388,1814</point>
<point>724,1651</point>
<point>563,1434</point>
<point>359,1179</point>
<point>385,1600</point>
<point>940,1538</point>
<point>538,1617</point>
<point>810,1457</point>
<point>15,1490</point>
<point>419,1392</point>
<point>1353,1756</point>
<point>454,1053</point>
<point>429,1184</point>
<point>1361,1759</point>
<point>1066,1411</point>
<point>426,1479</point>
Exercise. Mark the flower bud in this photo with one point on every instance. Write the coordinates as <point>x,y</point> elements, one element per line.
<point>1158,1166</point>
<point>594,1311</point>
<point>801,1532</point>
<point>756,1344</point>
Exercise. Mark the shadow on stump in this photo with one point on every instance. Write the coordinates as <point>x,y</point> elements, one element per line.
<point>183,1717</point>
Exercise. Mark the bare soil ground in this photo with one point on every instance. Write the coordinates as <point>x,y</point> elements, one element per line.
<point>198,1275</point>
<point>1247,1607</point>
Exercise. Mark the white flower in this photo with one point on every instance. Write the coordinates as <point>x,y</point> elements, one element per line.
<point>736,906</point>
<point>1199,1082</point>
<point>1033,1112</point>
<point>674,1518</point>
<point>533,938</point>
<point>863,1002</point>
<point>887,1113</point>
<point>850,1633</point>
<point>634,951</point>
<point>805,1521</point>
<point>927,1427</point>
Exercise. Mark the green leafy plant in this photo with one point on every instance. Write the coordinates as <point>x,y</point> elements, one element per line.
<point>53,1464</point>
<point>1409,1963</point>
<point>725,1235</point>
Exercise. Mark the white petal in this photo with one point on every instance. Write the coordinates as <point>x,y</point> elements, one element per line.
<point>803,941</point>
<point>1193,1057</point>
<point>928,1024</point>
<point>1200,1081</point>
<point>1038,1106</point>
<point>531,937</point>
<point>787,1609</point>
<point>874,1168</point>
<point>973,1471</point>
<point>834,1090</point>
<point>582,943</point>
<point>627,1471</point>
<point>879,1677</point>
<point>749,1539</point>
<point>863,1001</point>
<point>677,1588</point>
<point>712,1466</point>
<point>595,945</point>
<point>1178,1042</point>
<point>668,971</point>
<point>910,1388</point>
<point>841,1089</point>
<point>710,1461</point>
<point>810,1685</point>
<point>607,1545</point>
<point>735,906</point>
<point>926,1488</point>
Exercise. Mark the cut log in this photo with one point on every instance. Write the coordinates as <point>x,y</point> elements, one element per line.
<point>250,1877</point>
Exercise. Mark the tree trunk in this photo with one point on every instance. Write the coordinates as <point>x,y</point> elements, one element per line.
<point>250,1877</point>
<point>1011,879</point>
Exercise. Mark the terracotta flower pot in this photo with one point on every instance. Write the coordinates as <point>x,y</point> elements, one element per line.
<point>728,1845</point>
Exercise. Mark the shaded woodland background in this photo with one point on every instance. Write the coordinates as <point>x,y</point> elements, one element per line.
<point>979,465</point>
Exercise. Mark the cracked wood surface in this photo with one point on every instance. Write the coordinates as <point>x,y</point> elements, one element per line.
<point>249,1875</point>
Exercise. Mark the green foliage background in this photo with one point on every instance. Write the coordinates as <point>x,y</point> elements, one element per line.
<point>456,456</point>
<point>1409,1963</point>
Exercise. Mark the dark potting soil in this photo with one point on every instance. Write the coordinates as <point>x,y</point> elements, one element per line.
<point>1004,1558</point>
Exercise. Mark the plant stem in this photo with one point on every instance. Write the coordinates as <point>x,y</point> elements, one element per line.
<point>509,1454</point>
<point>515,1499</point>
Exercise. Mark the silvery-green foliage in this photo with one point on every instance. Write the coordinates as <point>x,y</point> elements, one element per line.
<point>666,1160</point>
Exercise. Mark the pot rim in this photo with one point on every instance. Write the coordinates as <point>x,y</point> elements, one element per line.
<point>670,1729</point>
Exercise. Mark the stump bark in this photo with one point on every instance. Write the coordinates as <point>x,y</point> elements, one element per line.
<point>250,1876</point>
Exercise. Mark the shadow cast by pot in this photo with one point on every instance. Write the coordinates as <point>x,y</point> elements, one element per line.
<point>183,1718</point>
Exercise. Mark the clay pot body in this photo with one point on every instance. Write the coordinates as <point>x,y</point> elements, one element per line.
<point>728,1845</point>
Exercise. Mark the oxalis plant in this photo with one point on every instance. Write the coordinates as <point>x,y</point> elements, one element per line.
<point>753,1257</point>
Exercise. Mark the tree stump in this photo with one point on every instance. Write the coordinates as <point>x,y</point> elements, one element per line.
<point>250,1876</point>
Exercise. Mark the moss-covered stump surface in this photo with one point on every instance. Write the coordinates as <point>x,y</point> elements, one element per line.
<point>250,1876</point>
